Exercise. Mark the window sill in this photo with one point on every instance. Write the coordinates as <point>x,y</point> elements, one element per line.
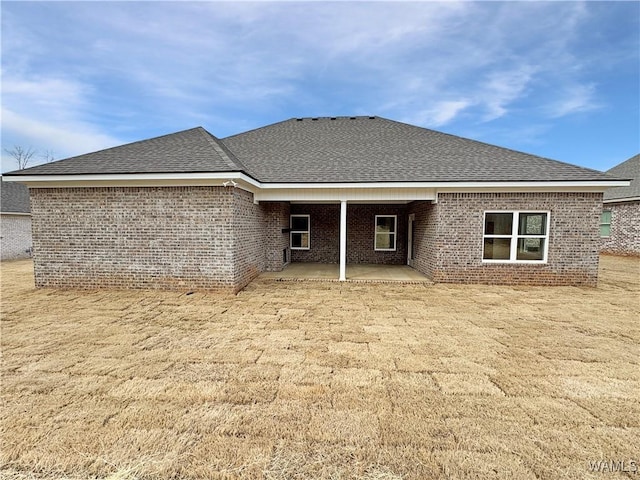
<point>514,262</point>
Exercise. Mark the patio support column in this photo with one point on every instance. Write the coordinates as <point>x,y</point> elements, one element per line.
<point>343,241</point>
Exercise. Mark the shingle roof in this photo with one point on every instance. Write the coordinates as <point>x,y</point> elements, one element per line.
<point>374,149</point>
<point>14,198</point>
<point>322,150</point>
<point>194,150</point>
<point>629,169</point>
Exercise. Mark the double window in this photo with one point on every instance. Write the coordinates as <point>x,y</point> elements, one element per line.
<point>516,237</point>
<point>300,232</point>
<point>386,233</point>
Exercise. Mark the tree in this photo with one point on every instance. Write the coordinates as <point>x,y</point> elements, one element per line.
<point>47,156</point>
<point>21,155</point>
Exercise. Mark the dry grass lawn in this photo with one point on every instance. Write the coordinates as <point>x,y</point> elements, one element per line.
<point>321,380</point>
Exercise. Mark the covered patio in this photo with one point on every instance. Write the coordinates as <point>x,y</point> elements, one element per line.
<point>355,272</point>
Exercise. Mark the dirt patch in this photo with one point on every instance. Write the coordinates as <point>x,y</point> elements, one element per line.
<point>320,380</point>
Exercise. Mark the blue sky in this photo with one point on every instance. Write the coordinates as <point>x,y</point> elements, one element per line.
<point>557,79</point>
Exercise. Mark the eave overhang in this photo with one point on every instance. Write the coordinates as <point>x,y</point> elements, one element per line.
<point>349,191</point>
<point>622,200</point>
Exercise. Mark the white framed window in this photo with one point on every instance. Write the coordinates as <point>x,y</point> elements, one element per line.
<point>386,233</point>
<point>515,237</point>
<point>300,233</point>
<point>605,223</point>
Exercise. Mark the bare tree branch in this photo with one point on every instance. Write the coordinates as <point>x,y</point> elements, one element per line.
<point>21,155</point>
<point>48,156</point>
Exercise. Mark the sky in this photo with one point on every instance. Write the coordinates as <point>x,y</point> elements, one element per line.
<point>556,79</point>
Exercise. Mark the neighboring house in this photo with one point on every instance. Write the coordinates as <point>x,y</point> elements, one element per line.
<point>620,221</point>
<point>15,221</point>
<point>189,210</point>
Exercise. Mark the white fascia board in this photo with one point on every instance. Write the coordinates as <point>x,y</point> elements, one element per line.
<point>622,200</point>
<point>453,185</point>
<point>21,214</point>
<point>136,180</point>
<point>250,184</point>
<point>370,195</point>
<point>373,192</point>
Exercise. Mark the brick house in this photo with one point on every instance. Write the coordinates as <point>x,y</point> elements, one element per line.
<point>15,221</point>
<point>620,220</point>
<point>189,210</point>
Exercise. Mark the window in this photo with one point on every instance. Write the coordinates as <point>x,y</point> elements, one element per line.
<point>385,233</point>
<point>605,223</point>
<point>299,235</point>
<point>516,237</point>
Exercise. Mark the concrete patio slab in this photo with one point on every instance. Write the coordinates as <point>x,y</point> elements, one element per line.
<point>357,272</point>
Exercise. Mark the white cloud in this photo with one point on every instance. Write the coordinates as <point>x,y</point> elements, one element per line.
<point>93,68</point>
<point>503,88</point>
<point>48,96</point>
<point>62,139</point>
<point>575,99</point>
<point>49,114</point>
<point>441,113</point>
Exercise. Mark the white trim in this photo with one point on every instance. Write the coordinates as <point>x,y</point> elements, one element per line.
<point>515,236</point>
<point>369,192</point>
<point>343,241</point>
<point>351,202</point>
<point>110,177</point>
<point>42,180</point>
<point>410,246</point>
<point>591,183</point>
<point>352,195</point>
<point>307,231</point>
<point>622,200</point>
<point>22,214</point>
<point>140,180</point>
<point>394,233</point>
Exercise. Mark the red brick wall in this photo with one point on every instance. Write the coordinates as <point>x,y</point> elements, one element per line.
<point>424,236</point>
<point>217,238</point>
<point>625,229</point>
<point>155,237</point>
<point>249,230</point>
<point>276,217</point>
<point>573,239</point>
<point>325,234</point>
<point>15,236</point>
<point>361,234</point>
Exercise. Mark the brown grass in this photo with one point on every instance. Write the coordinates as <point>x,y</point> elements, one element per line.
<point>321,380</point>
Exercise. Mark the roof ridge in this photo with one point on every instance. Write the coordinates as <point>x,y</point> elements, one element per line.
<point>256,129</point>
<point>335,117</point>
<point>227,155</point>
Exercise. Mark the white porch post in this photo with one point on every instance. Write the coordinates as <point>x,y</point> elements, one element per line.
<point>343,240</point>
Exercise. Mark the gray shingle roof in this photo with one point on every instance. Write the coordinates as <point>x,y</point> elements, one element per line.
<point>194,150</point>
<point>322,150</point>
<point>14,198</point>
<point>629,169</point>
<point>374,149</point>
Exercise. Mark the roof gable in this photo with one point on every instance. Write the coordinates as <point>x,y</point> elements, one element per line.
<point>194,150</point>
